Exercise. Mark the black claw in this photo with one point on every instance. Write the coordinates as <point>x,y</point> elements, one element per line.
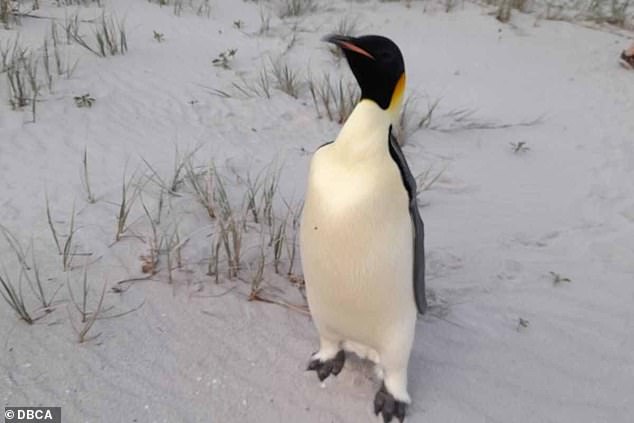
<point>388,406</point>
<point>379,400</point>
<point>338,362</point>
<point>328,367</point>
<point>399,411</point>
<point>313,365</point>
<point>324,371</point>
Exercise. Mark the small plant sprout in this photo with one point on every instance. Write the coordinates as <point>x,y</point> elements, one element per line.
<point>278,241</point>
<point>202,184</point>
<point>258,274</point>
<point>214,258</point>
<point>84,100</point>
<point>127,201</point>
<point>69,250</point>
<point>557,278</point>
<point>81,308</point>
<point>225,58</point>
<point>47,68</point>
<point>85,180</point>
<point>252,189</point>
<point>87,318</point>
<point>149,262</point>
<point>37,285</point>
<point>269,190</point>
<point>11,289</point>
<point>51,225</point>
<point>519,147</point>
<point>230,225</point>
<point>158,36</point>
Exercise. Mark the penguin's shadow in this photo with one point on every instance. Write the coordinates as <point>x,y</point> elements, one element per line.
<point>422,372</point>
<point>360,371</point>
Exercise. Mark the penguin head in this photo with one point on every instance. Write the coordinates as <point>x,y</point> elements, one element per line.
<point>377,64</point>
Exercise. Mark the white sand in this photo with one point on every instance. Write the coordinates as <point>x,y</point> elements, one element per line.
<point>497,222</point>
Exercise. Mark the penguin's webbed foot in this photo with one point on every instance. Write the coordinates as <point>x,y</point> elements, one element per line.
<point>327,367</point>
<point>388,406</point>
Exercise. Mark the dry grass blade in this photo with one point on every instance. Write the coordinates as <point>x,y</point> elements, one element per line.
<point>110,36</point>
<point>261,87</point>
<point>278,241</point>
<point>230,225</point>
<point>52,226</point>
<point>127,201</point>
<point>14,298</point>
<point>37,285</point>
<point>337,100</point>
<point>69,250</point>
<point>258,275</point>
<point>426,179</point>
<point>291,245</point>
<point>269,191</point>
<point>16,247</point>
<point>287,78</point>
<point>89,319</point>
<point>85,180</point>
<point>299,308</point>
<point>203,186</point>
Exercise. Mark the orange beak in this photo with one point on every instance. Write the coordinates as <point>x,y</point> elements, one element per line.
<point>347,43</point>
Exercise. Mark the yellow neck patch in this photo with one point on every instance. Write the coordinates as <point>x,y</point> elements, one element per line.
<point>397,95</point>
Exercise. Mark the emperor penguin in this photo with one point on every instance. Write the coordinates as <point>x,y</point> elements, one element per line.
<point>361,235</point>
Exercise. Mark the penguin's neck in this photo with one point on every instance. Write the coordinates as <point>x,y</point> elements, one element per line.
<point>366,132</point>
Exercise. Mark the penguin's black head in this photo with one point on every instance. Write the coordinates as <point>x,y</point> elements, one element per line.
<point>378,65</point>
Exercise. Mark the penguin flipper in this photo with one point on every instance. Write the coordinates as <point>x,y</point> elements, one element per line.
<point>419,229</point>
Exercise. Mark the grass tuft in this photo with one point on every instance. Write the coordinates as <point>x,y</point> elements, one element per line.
<point>333,100</point>
<point>292,8</point>
<point>87,318</point>
<point>109,34</point>
<point>287,78</point>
